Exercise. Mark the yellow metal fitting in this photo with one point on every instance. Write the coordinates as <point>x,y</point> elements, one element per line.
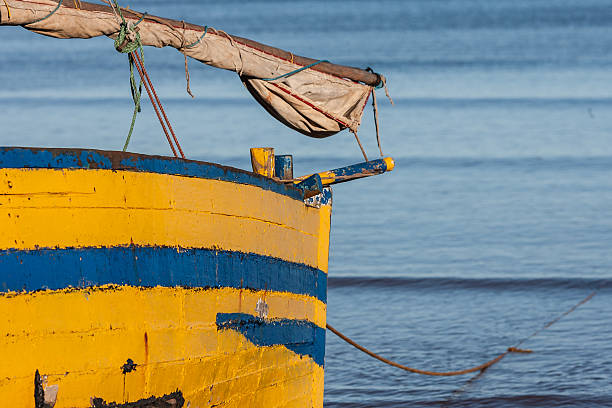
<point>390,163</point>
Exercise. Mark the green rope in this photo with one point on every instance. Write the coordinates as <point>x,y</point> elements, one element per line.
<point>124,44</point>
<point>59,3</point>
<point>119,10</point>
<point>136,97</point>
<point>200,39</point>
<point>294,72</point>
<point>127,42</point>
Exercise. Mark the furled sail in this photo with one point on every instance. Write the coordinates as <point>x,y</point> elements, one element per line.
<point>318,101</point>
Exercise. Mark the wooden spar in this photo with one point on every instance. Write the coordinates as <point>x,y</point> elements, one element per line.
<point>356,171</point>
<point>342,71</point>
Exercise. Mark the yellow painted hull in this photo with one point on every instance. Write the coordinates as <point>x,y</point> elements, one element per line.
<point>126,277</point>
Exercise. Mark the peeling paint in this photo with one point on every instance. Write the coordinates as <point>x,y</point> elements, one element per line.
<point>45,395</point>
<point>129,366</point>
<point>173,400</point>
<point>54,158</point>
<point>300,336</point>
<point>319,200</point>
<point>262,308</point>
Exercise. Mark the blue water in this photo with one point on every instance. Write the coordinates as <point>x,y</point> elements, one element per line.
<point>497,219</point>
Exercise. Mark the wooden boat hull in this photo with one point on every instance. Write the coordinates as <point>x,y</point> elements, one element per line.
<point>126,277</point>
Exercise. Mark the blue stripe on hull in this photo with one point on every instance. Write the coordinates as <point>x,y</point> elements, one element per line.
<point>47,158</point>
<point>155,266</point>
<point>300,336</point>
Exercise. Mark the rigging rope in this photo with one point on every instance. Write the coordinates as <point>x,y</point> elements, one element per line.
<point>136,97</point>
<point>155,102</point>
<point>365,156</point>
<point>375,108</point>
<point>482,367</point>
<point>382,82</point>
<point>128,41</point>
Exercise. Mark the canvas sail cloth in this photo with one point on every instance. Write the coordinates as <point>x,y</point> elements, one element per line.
<point>314,103</point>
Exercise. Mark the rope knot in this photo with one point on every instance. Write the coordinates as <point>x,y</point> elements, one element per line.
<point>128,39</point>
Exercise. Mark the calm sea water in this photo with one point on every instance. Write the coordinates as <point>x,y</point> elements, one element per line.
<point>497,218</point>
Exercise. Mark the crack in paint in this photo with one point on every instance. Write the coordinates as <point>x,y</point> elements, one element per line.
<point>173,209</point>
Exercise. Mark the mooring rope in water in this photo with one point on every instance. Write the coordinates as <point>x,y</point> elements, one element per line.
<point>482,367</point>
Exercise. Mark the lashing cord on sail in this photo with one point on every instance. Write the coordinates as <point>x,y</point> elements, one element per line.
<point>382,83</point>
<point>59,3</point>
<point>288,74</point>
<point>8,9</point>
<point>128,42</point>
<point>182,49</point>
<point>481,367</point>
<point>199,39</point>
